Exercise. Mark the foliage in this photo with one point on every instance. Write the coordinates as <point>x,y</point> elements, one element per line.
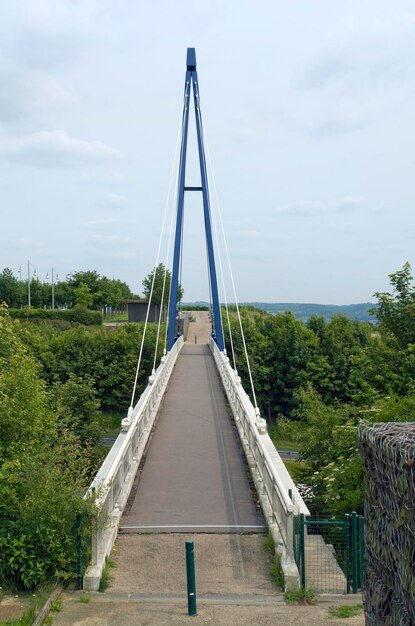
<point>77,407</point>
<point>84,598</point>
<point>396,310</point>
<point>106,577</point>
<point>157,295</point>
<point>83,296</point>
<point>300,596</point>
<point>43,473</point>
<point>104,291</point>
<point>109,358</point>
<point>80,316</point>
<point>346,610</point>
<point>276,571</point>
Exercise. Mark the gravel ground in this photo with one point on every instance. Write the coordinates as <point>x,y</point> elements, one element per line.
<point>111,610</point>
<point>148,587</point>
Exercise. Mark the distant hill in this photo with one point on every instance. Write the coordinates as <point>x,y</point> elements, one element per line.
<point>304,311</point>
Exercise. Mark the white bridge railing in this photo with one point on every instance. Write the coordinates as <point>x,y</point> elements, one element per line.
<point>113,482</point>
<point>279,497</point>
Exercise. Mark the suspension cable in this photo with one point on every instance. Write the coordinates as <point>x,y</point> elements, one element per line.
<point>153,280</point>
<point>164,289</point>
<point>232,280</point>
<point>209,162</point>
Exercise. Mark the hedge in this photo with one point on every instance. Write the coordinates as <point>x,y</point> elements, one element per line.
<point>81,316</point>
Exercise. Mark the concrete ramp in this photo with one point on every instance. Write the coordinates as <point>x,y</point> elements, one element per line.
<point>194,478</point>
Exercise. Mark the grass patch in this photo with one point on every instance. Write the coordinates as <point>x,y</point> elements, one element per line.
<point>295,469</point>
<point>84,599</point>
<point>111,423</point>
<point>275,571</point>
<point>300,596</point>
<point>26,619</point>
<point>269,544</point>
<point>31,604</point>
<point>286,444</point>
<point>57,606</point>
<point>105,581</point>
<point>346,610</point>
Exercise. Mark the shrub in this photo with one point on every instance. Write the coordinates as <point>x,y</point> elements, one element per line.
<point>79,315</point>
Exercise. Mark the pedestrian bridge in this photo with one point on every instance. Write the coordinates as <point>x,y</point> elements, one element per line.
<point>194,456</point>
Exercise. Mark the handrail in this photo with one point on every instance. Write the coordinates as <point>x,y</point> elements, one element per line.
<point>257,443</point>
<point>114,479</point>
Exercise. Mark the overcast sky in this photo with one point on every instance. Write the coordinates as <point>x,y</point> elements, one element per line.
<point>308,110</point>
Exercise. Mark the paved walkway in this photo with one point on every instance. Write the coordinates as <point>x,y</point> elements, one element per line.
<point>194,477</point>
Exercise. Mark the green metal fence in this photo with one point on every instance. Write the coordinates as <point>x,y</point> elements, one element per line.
<point>329,552</point>
<point>82,533</point>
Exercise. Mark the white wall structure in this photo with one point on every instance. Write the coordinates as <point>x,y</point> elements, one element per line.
<point>113,482</point>
<point>272,480</point>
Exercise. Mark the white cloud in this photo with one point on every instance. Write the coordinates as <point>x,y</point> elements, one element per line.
<point>104,180</point>
<point>111,239</point>
<point>114,201</point>
<point>102,222</point>
<point>55,148</point>
<point>316,208</point>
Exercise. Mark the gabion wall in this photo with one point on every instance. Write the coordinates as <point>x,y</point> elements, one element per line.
<point>388,455</point>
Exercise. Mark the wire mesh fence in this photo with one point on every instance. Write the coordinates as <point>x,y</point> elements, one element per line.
<point>329,552</point>
<point>388,456</point>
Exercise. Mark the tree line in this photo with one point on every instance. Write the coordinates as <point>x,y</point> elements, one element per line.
<point>58,382</point>
<point>316,381</point>
<point>102,291</point>
<point>86,288</point>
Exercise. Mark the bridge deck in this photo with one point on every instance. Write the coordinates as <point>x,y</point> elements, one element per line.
<point>194,477</point>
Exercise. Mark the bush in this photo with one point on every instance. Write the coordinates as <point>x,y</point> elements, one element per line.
<point>79,315</point>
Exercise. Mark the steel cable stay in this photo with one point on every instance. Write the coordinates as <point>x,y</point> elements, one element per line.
<point>130,410</point>
<point>257,412</point>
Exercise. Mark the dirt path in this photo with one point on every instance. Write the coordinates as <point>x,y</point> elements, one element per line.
<point>200,328</point>
<point>225,564</point>
<point>234,587</point>
<point>111,609</point>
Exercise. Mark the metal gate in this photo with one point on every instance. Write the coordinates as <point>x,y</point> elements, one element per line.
<point>329,552</point>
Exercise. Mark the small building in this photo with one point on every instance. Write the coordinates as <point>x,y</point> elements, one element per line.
<point>137,311</point>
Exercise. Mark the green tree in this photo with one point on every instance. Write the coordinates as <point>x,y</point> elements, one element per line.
<point>77,406</point>
<point>161,272</point>
<point>83,296</point>
<point>8,287</point>
<point>396,311</point>
<point>43,474</point>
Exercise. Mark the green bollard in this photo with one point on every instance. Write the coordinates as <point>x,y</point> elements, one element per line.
<point>191,578</point>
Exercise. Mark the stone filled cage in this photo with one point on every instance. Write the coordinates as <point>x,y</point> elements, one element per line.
<point>388,455</point>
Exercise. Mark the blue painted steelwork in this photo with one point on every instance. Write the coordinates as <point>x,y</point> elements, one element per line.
<point>217,332</point>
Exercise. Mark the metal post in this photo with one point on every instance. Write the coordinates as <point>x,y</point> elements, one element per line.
<point>362,548</point>
<point>354,552</point>
<point>191,578</point>
<point>53,291</point>
<point>347,550</point>
<point>79,554</point>
<point>302,551</point>
<point>28,284</point>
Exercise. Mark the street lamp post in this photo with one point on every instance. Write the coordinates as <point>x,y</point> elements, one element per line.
<point>28,284</point>
<point>53,286</point>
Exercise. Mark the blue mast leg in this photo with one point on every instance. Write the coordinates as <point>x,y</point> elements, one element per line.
<point>191,79</point>
<point>171,337</point>
<point>217,327</point>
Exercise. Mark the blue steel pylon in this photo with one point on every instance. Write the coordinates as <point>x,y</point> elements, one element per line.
<point>191,80</point>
